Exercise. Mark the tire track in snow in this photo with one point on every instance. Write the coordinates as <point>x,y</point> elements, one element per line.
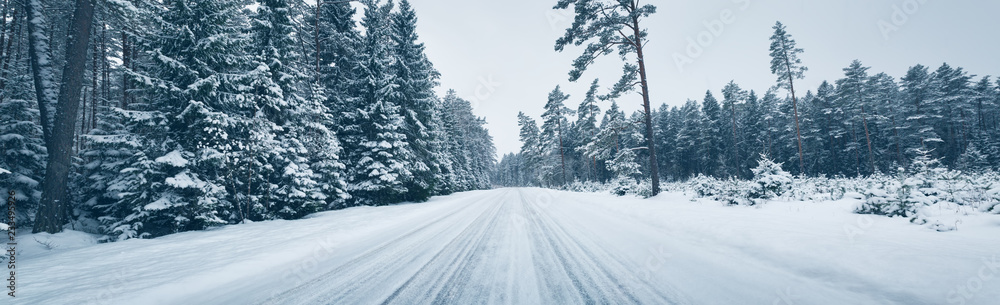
<point>367,270</point>
<point>589,273</point>
<point>451,261</point>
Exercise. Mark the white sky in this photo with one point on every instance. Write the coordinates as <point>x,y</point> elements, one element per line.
<point>510,44</point>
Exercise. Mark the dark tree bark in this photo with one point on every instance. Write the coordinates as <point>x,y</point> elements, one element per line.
<point>51,214</point>
<point>8,55</point>
<point>562,153</point>
<point>795,110</point>
<point>3,26</point>
<point>126,64</point>
<point>868,138</point>
<point>39,69</point>
<point>654,172</point>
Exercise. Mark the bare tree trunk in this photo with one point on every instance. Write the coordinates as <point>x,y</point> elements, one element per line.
<point>736,148</point>
<point>895,134</point>
<point>795,110</point>
<point>857,155</point>
<point>40,67</point>
<point>126,64</point>
<point>318,4</point>
<point>106,75</point>
<point>3,27</point>
<point>868,138</point>
<point>654,172</point>
<point>52,208</point>
<point>6,59</point>
<point>562,154</point>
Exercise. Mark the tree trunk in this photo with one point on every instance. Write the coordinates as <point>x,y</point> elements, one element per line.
<point>795,110</point>
<point>6,59</point>
<point>895,134</point>
<point>318,3</point>
<point>41,71</point>
<point>654,172</point>
<point>857,155</point>
<point>736,148</point>
<point>562,154</point>
<point>52,208</point>
<point>3,27</point>
<point>868,138</point>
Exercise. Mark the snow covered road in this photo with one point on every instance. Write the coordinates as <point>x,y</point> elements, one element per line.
<point>506,248</point>
<point>534,246</point>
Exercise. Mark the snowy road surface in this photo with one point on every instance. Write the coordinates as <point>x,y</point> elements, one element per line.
<point>533,246</point>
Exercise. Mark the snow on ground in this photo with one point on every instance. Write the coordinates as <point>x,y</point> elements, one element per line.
<point>533,246</point>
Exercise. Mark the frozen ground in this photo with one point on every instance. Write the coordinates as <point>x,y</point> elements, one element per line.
<point>533,246</point>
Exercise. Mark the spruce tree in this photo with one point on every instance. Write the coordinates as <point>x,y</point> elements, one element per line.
<point>24,152</point>
<point>552,135</point>
<point>196,127</point>
<point>711,149</point>
<point>289,181</point>
<point>415,79</point>
<point>380,158</point>
<point>530,146</point>
<point>855,96</point>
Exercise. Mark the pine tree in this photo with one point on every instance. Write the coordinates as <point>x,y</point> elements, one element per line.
<point>196,128</point>
<point>710,151</point>
<point>552,137</point>
<point>917,107</point>
<point>885,119</point>
<point>607,143</point>
<point>972,160</point>
<point>530,146</point>
<point>335,51</point>
<point>606,25</point>
<point>23,153</point>
<point>855,95</point>
<point>415,79</point>
<point>585,128</point>
<point>952,102</point>
<point>733,96</point>
<point>376,145</point>
<point>786,64</point>
<point>688,140</point>
<point>469,142</point>
<point>290,180</point>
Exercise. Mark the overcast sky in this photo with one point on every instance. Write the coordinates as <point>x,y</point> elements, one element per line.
<point>499,54</point>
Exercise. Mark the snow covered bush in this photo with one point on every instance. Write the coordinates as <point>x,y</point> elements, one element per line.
<point>622,186</point>
<point>769,182</point>
<point>735,192</point>
<point>586,187</point>
<point>892,198</point>
<point>705,186</point>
